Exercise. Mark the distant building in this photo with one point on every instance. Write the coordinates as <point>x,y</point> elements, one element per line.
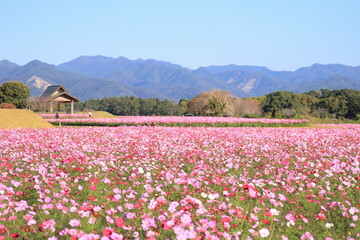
<point>57,95</point>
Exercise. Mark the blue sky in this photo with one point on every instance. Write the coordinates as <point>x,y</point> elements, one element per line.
<point>279,34</point>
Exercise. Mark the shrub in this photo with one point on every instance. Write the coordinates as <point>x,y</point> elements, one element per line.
<point>7,106</point>
<point>357,117</point>
<point>251,115</point>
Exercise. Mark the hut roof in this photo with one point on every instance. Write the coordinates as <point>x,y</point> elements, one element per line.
<point>59,92</point>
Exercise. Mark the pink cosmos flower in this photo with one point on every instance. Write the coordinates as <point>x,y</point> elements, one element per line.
<point>290,217</point>
<point>116,236</point>
<point>147,223</point>
<point>186,219</point>
<point>307,236</point>
<point>130,215</point>
<point>74,223</point>
<point>281,197</point>
<point>119,222</point>
<point>49,224</point>
<point>252,193</point>
<point>129,206</point>
<point>109,219</point>
<point>92,220</point>
<point>107,232</point>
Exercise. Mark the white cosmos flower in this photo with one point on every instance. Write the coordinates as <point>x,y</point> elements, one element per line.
<point>211,196</point>
<point>204,195</point>
<point>329,225</point>
<point>264,232</point>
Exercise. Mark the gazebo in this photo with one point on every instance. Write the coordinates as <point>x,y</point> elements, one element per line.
<point>58,94</point>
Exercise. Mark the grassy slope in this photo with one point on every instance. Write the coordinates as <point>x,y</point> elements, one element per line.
<point>21,118</point>
<point>100,114</point>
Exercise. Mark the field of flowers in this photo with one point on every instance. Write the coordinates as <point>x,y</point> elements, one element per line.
<point>180,121</point>
<point>144,182</point>
<point>63,115</point>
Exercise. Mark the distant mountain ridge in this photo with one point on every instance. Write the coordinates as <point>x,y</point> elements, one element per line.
<point>97,76</point>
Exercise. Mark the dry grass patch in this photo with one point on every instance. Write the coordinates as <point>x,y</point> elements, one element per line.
<point>21,118</point>
<point>100,114</point>
<point>322,126</point>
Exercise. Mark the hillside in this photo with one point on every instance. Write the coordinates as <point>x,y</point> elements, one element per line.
<point>169,80</point>
<point>177,82</point>
<point>21,118</point>
<point>6,66</point>
<point>96,77</point>
<point>38,75</point>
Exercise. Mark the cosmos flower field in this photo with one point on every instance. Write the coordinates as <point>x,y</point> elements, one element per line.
<point>179,121</point>
<point>141,182</point>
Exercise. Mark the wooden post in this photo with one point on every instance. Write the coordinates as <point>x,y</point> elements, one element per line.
<point>72,107</point>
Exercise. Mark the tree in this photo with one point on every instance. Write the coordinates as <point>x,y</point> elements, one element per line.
<point>147,106</point>
<point>38,105</point>
<point>353,97</point>
<point>134,106</point>
<point>309,101</point>
<point>336,106</point>
<point>217,106</point>
<point>124,106</point>
<point>93,104</point>
<point>246,106</point>
<point>212,103</point>
<point>166,108</point>
<point>313,93</point>
<point>275,103</point>
<point>14,92</point>
<point>342,103</point>
<point>183,106</point>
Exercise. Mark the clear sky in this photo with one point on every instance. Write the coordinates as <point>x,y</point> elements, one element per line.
<point>279,34</point>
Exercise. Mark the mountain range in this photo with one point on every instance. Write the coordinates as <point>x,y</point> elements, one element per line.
<point>95,77</point>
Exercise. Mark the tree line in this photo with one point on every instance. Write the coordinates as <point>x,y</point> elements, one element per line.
<point>336,104</point>
<point>125,106</point>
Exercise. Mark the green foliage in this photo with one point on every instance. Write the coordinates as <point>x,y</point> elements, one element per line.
<point>251,115</point>
<point>313,93</point>
<point>275,103</point>
<point>334,105</point>
<point>147,106</point>
<point>339,104</point>
<point>357,117</point>
<point>166,108</point>
<point>132,106</point>
<point>15,93</point>
<point>217,106</point>
<point>343,103</point>
<point>183,106</point>
<point>309,100</point>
